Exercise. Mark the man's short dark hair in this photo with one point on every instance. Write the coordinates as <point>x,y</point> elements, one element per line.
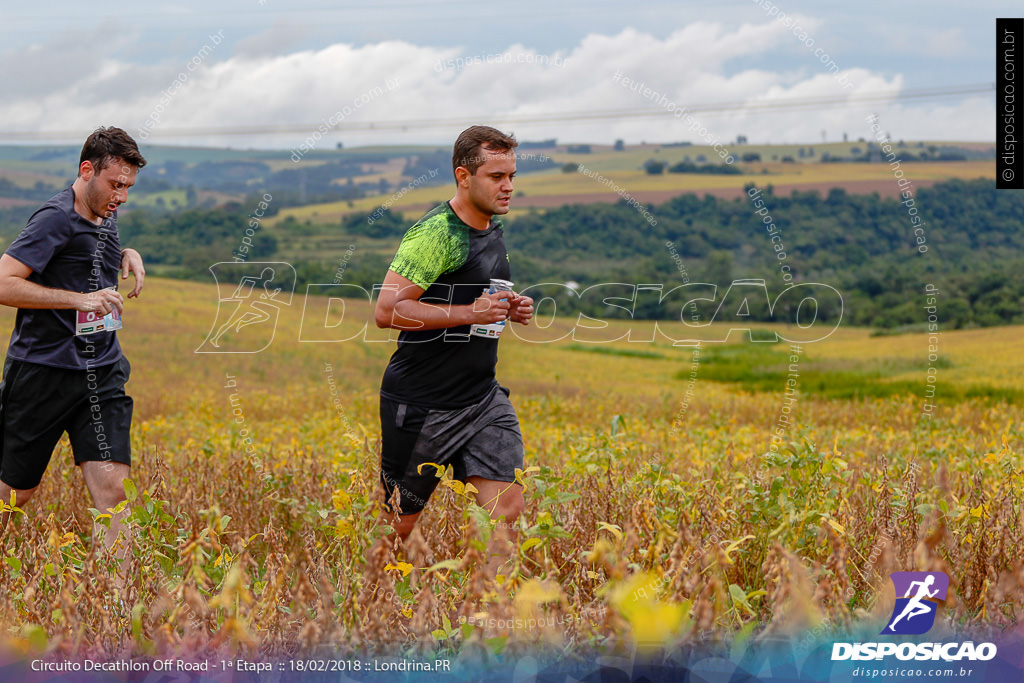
<point>108,144</point>
<point>467,152</point>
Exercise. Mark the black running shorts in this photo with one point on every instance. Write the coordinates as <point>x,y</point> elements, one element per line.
<point>481,440</point>
<point>38,403</point>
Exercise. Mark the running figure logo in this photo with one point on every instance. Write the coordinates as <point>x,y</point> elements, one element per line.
<point>914,613</point>
<point>247,316</point>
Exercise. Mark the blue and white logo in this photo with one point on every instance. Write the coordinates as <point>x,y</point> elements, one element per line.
<point>914,613</point>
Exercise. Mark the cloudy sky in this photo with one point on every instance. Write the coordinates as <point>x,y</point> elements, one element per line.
<point>266,73</point>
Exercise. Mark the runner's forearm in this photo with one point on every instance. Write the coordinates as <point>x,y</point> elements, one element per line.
<point>20,293</point>
<point>411,314</point>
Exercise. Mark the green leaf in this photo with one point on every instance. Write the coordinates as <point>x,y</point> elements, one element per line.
<point>138,610</point>
<point>130,492</point>
<point>467,631</point>
<point>739,597</point>
<point>618,424</point>
<point>36,636</point>
<point>446,564</point>
<point>439,634</point>
<point>530,543</point>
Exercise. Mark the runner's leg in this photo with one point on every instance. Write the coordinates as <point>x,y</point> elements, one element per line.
<point>22,497</point>
<point>105,481</point>
<point>405,523</point>
<point>504,501</point>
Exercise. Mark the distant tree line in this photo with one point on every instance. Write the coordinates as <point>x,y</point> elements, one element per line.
<point>862,245</point>
<point>40,191</point>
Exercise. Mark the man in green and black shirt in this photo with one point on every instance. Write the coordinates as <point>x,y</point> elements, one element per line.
<point>440,401</point>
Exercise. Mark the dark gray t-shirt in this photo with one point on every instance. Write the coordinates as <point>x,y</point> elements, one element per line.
<point>65,251</point>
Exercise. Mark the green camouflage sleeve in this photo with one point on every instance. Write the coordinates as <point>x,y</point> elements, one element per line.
<point>429,249</point>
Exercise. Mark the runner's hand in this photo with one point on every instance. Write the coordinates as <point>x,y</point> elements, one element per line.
<point>101,301</point>
<point>521,309</point>
<point>131,262</point>
<point>491,308</point>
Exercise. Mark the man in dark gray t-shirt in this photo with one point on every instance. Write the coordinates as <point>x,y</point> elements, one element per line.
<point>64,370</point>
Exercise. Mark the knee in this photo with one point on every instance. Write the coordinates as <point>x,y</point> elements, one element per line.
<point>404,525</point>
<point>23,497</point>
<point>108,495</point>
<point>510,506</point>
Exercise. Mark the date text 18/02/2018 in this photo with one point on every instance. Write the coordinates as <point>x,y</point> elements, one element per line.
<point>330,665</point>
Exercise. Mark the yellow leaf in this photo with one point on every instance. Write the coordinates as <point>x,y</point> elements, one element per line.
<point>614,528</point>
<point>522,474</point>
<point>537,592</point>
<point>341,499</point>
<point>403,567</point>
<point>440,468</point>
<point>407,612</point>
<point>455,485</point>
<point>734,545</point>
<point>654,622</point>
<point>837,526</point>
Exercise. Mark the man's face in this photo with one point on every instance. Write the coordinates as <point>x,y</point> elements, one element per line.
<point>107,189</point>
<point>490,188</point>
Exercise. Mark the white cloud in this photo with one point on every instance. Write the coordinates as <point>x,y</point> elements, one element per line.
<point>248,86</point>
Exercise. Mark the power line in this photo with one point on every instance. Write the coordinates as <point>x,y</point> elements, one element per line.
<point>709,109</point>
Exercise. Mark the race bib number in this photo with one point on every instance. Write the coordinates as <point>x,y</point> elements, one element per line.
<point>91,322</point>
<point>492,331</point>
